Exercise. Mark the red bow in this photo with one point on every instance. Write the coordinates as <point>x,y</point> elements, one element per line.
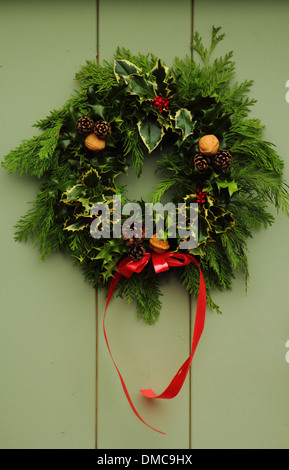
<point>161,263</point>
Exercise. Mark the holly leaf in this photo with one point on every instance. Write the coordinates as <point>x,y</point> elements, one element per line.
<point>160,72</point>
<point>140,86</point>
<point>220,220</point>
<point>79,225</point>
<point>124,68</point>
<point>203,229</point>
<point>164,121</point>
<point>151,133</point>
<point>184,121</point>
<point>74,193</point>
<point>99,110</point>
<point>91,178</point>
<point>230,185</point>
<point>86,203</point>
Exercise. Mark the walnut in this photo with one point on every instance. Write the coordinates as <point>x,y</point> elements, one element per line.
<point>209,145</point>
<point>158,245</point>
<point>92,142</point>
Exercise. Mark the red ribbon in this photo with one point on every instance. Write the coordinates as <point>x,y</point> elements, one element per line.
<point>161,263</point>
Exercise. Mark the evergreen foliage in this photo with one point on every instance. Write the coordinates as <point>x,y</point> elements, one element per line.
<point>204,99</point>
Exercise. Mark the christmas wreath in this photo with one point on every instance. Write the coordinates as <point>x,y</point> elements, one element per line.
<point>212,156</point>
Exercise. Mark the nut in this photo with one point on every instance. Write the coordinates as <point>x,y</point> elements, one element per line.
<point>92,142</point>
<point>158,245</point>
<point>209,145</point>
<point>130,240</point>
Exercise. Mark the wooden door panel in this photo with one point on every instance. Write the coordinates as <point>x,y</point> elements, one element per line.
<point>148,356</point>
<point>240,377</point>
<point>47,334</point>
<point>239,389</point>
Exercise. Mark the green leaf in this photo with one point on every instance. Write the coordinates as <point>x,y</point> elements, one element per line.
<point>74,193</point>
<point>164,121</point>
<point>220,220</point>
<point>139,85</point>
<point>160,72</point>
<point>64,186</point>
<point>203,229</point>
<point>86,203</point>
<point>91,178</point>
<point>230,185</point>
<point>99,110</point>
<point>151,134</point>
<point>64,143</point>
<point>79,225</point>
<point>124,68</point>
<point>184,121</point>
<point>110,254</point>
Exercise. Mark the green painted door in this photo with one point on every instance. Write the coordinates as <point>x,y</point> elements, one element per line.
<point>237,395</point>
<point>47,334</point>
<point>240,376</point>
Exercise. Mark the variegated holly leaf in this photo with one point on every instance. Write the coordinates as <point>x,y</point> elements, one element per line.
<point>140,86</point>
<point>184,122</point>
<point>164,121</point>
<point>80,224</point>
<point>220,220</point>
<point>136,81</point>
<point>91,178</point>
<point>74,193</point>
<point>124,68</point>
<point>86,203</point>
<point>151,133</point>
<point>160,71</point>
<point>212,220</point>
<point>64,186</point>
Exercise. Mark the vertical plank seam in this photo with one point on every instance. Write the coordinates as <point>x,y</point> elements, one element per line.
<point>190,373</point>
<point>96,362</point>
<point>190,296</point>
<point>97,31</point>
<point>192,27</point>
<point>96,291</point>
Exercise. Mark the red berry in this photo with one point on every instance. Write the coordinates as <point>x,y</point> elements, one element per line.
<point>161,103</point>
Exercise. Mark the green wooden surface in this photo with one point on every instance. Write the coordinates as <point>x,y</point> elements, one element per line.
<point>47,332</point>
<point>240,379</point>
<point>148,356</point>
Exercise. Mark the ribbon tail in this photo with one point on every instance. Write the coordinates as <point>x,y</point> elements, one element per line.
<point>117,277</point>
<point>176,384</point>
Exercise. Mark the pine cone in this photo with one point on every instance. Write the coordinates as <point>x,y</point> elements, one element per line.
<point>102,129</point>
<point>129,239</point>
<point>85,125</point>
<point>132,241</point>
<point>223,159</point>
<point>136,251</point>
<point>201,162</point>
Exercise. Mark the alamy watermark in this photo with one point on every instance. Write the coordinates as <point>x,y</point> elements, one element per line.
<point>170,221</point>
